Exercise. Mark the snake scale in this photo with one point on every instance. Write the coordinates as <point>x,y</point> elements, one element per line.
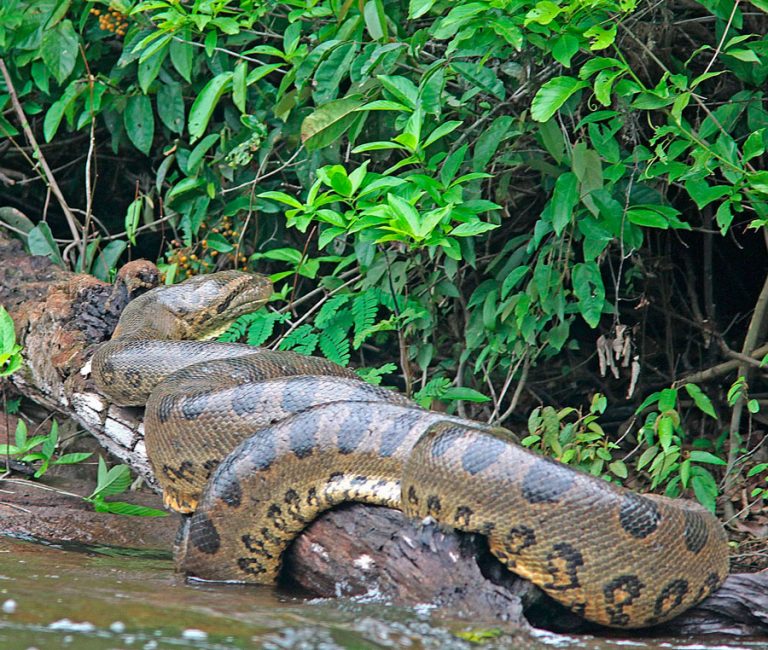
<point>254,444</point>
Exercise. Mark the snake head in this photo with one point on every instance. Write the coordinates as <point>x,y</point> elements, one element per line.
<point>199,308</point>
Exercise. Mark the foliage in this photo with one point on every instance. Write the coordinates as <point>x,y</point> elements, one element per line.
<point>451,195</point>
<point>10,351</point>
<point>666,460</point>
<point>24,449</point>
<point>760,491</point>
<point>478,636</point>
<point>111,482</point>
<point>581,442</point>
<point>43,449</point>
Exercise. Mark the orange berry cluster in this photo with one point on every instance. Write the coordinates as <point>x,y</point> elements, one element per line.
<point>192,260</point>
<point>111,21</point>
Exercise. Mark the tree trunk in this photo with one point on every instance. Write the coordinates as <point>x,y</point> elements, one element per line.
<point>354,550</point>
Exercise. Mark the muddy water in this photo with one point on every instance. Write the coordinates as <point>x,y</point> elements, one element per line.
<point>104,599</point>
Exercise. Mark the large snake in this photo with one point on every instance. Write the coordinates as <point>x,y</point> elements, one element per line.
<point>256,443</point>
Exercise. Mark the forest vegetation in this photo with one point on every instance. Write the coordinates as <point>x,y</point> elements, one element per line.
<point>548,215</point>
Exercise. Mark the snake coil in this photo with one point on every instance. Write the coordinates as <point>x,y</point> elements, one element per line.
<point>254,444</point>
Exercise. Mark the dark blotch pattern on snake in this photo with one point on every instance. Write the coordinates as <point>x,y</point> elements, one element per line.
<point>256,444</point>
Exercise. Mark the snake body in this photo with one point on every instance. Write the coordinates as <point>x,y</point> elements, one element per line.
<point>257,443</point>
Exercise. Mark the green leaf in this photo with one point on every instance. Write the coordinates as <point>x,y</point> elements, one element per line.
<point>203,106</point>
<point>618,468</point>
<point>59,50</point>
<point>403,89</point>
<point>71,459</point>
<point>600,63</point>
<point>112,481</point>
<point>667,399</point>
<point>198,153</point>
<point>261,327</point>
<point>127,509</point>
<point>441,131</point>
<point>16,218</point>
<point>240,86</point>
<point>757,469</point>
<point>107,259</point>
<point>149,67</point>
<point>647,218</point>
<point>407,214</point>
<point>754,145</point>
<point>698,456</point>
<point>139,122</point>
<point>666,429</point>
<point>364,309</point>
<point>51,440</point>
<point>329,122</point>
<point>170,106</point>
<point>219,243</point>
<point>590,291</point>
<point>375,20</point>
<point>488,143</point>
<point>647,456</point>
<point>472,228</point>
<point>543,13</point>
<point>40,242</point>
<point>384,105</point>
<point>334,344</point>
<point>58,108</point>
<point>182,55</point>
<point>302,340</point>
<point>705,491</point>
<point>564,48</point>
<point>746,55</point>
<point>481,77</point>
<point>282,197</point>
<point>552,95</point>
<point>417,8</point>
<point>601,37</point>
<point>703,194</point>
<point>331,71</point>
<point>374,375</point>
<point>7,336</point>
<point>463,393</point>
<point>132,218</point>
<point>685,472</point>
<point>564,200</point>
<point>447,26</point>
<point>701,400</point>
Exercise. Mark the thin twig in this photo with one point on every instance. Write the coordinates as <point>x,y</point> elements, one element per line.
<point>261,177</point>
<point>722,368</point>
<point>518,391</point>
<point>74,227</point>
<point>722,39</point>
<point>313,309</point>
<point>90,180</point>
<point>15,506</point>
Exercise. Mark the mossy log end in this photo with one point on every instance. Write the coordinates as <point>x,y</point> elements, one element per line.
<point>354,550</point>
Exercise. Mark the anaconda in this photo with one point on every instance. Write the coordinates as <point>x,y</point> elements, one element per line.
<point>257,443</point>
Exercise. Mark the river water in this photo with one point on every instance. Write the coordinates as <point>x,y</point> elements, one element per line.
<point>55,598</point>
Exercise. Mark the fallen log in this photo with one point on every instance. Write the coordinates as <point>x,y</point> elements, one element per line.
<point>352,551</point>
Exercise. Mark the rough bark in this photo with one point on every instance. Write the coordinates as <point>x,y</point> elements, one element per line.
<point>355,550</point>
<point>59,316</point>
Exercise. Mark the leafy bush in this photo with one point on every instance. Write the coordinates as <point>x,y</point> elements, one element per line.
<point>458,192</point>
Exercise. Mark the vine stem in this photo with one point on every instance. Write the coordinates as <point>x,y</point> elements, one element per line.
<point>38,154</point>
<point>754,332</point>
